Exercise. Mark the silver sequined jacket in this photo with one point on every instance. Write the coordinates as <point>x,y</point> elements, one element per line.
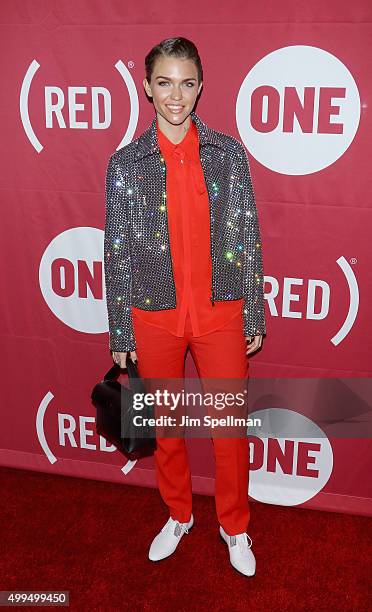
<point>137,258</point>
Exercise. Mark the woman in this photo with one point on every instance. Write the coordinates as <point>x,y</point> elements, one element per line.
<point>183,269</point>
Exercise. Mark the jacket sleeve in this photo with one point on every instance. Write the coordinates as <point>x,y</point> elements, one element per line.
<point>117,263</point>
<point>253,308</point>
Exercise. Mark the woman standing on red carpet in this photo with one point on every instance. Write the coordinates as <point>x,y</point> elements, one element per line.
<point>183,270</point>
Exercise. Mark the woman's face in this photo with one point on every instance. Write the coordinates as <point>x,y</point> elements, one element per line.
<point>173,88</point>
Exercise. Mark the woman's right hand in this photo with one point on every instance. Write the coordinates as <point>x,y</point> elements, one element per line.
<point>121,358</point>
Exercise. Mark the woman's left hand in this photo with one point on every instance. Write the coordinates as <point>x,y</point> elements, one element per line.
<point>254,343</point>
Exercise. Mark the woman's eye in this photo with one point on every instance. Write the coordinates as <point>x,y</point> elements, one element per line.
<point>166,83</point>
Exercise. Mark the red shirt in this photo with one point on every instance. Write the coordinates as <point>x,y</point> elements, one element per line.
<point>189,236</point>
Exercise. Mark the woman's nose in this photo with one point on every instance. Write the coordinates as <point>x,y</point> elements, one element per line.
<point>176,95</point>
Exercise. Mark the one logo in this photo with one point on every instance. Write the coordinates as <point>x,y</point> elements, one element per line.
<point>71,277</point>
<point>63,106</point>
<point>298,110</point>
<point>291,458</point>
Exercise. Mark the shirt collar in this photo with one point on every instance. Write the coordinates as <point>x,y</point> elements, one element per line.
<point>189,144</point>
<point>147,142</point>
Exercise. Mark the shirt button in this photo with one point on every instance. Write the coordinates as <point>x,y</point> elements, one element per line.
<point>179,154</point>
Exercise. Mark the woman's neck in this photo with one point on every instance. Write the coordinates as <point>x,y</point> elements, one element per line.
<point>175,133</point>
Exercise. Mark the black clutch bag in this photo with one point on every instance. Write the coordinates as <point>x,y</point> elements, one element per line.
<point>115,413</point>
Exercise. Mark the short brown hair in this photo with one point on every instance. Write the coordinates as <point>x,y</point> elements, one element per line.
<point>173,47</point>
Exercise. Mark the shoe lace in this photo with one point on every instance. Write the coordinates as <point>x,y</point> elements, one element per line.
<point>242,540</point>
<point>175,526</point>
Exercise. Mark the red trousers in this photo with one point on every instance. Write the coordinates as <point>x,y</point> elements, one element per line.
<point>221,353</point>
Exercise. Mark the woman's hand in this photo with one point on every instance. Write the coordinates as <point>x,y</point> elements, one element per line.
<point>121,358</point>
<point>254,343</point>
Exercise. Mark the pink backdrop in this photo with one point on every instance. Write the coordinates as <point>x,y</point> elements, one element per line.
<point>71,94</point>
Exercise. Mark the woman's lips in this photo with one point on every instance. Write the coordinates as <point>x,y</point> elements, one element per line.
<point>175,109</point>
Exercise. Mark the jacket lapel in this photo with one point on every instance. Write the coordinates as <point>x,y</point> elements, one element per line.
<point>151,168</point>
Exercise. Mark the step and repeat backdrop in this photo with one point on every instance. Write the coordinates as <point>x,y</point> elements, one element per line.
<point>293,83</point>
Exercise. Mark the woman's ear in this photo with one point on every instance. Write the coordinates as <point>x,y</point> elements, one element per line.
<point>147,87</point>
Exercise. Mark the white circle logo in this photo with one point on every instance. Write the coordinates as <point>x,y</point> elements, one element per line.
<point>71,277</point>
<point>291,458</point>
<point>298,110</point>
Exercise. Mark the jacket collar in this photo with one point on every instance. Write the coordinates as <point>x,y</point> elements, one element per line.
<point>147,143</point>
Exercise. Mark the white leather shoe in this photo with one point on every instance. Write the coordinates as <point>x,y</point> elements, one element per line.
<point>167,540</point>
<point>240,551</point>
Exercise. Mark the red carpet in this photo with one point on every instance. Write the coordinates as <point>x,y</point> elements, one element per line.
<point>92,538</point>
